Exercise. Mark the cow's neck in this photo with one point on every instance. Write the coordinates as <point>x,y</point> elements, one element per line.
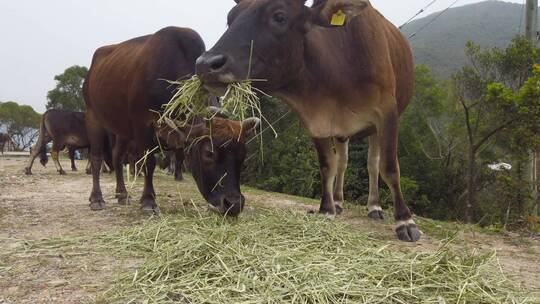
<point>329,95</point>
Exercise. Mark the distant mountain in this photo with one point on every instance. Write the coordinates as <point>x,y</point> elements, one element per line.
<point>441,45</point>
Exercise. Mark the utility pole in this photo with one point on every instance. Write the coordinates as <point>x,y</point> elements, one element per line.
<point>531,33</point>
<point>531,20</point>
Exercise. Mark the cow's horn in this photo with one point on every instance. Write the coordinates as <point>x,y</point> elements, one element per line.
<point>250,124</point>
<point>171,124</point>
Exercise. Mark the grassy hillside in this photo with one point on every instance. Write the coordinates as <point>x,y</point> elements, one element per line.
<point>440,45</point>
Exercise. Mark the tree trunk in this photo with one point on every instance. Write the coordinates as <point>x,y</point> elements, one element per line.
<point>534,182</point>
<point>471,191</point>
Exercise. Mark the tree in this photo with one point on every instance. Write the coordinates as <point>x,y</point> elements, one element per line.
<point>21,123</point>
<point>429,149</point>
<point>68,93</point>
<point>487,92</point>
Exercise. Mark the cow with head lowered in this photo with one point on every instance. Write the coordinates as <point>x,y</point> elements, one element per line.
<point>65,129</point>
<point>125,89</point>
<point>342,67</point>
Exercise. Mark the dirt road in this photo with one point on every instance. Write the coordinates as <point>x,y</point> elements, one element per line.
<point>47,205</point>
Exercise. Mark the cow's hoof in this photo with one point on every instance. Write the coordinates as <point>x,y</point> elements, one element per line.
<point>377,215</point>
<point>27,171</point>
<point>124,200</point>
<point>339,208</point>
<point>179,178</point>
<point>407,231</point>
<point>149,207</point>
<point>327,214</point>
<point>61,172</point>
<point>97,205</point>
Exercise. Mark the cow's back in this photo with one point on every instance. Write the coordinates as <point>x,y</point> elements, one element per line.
<point>127,80</point>
<point>402,64</point>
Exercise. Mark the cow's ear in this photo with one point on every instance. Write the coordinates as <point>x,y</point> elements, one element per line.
<point>331,13</point>
<point>250,125</point>
<point>237,1</point>
<point>169,133</point>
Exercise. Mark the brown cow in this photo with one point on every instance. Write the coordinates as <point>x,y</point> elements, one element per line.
<point>354,77</point>
<point>4,139</point>
<point>65,129</point>
<point>124,89</point>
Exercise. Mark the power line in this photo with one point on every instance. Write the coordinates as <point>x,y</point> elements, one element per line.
<point>416,15</point>
<point>433,20</point>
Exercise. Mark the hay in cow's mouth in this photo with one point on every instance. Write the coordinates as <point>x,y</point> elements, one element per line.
<point>240,101</point>
<point>188,102</point>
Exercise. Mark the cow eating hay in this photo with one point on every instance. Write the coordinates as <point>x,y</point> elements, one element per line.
<point>342,67</point>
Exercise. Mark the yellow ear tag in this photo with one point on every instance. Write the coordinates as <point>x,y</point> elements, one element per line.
<point>338,19</point>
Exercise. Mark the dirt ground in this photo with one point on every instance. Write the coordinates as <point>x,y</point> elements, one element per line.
<point>47,205</point>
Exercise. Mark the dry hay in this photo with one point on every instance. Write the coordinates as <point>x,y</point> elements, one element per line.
<point>282,256</point>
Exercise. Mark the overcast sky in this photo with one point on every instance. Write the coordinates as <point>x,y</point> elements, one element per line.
<point>40,39</point>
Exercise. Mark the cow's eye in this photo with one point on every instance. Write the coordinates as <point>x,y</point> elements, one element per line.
<point>280,18</point>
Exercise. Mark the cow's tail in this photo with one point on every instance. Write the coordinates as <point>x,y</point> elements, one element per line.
<point>43,158</point>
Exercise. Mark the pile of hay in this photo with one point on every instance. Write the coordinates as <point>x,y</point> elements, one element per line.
<point>277,256</point>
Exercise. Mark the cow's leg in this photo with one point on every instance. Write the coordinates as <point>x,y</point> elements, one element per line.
<point>148,198</point>
<point>55,154</point>
<point>118,155</point>
<point>178,161</point>
<point>374,208</point>
<point>328,161</point>
<point>144,139</point>
<point>342,150</point>
<point>36,150</point>
<point>89,165</point>
<point>71,152</point>
<point>387,134</point>
<point>96,136</point>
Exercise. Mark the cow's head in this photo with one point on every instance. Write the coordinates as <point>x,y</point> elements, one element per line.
<point>215,154</point>
<point>267,38</point>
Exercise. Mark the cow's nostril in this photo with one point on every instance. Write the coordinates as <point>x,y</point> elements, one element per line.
<point>232,206</point>
<point>216,63</point>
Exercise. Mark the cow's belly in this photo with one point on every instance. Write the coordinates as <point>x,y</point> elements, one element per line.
<point>331,119</point>
<point>324,126</point>
<point>76,141</point>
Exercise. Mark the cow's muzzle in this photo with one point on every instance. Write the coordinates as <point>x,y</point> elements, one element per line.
<point>230,205</point>
<point>208,64</point>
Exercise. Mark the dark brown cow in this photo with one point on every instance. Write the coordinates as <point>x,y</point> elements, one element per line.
<point>124,89</point>
<point>65,129</point>
<point>355,77</point>
<point>4,139</point>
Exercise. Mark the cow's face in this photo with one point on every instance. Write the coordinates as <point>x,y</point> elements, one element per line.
<point>215,156</point>
<point>265,41</point>
<point>216,165</point>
